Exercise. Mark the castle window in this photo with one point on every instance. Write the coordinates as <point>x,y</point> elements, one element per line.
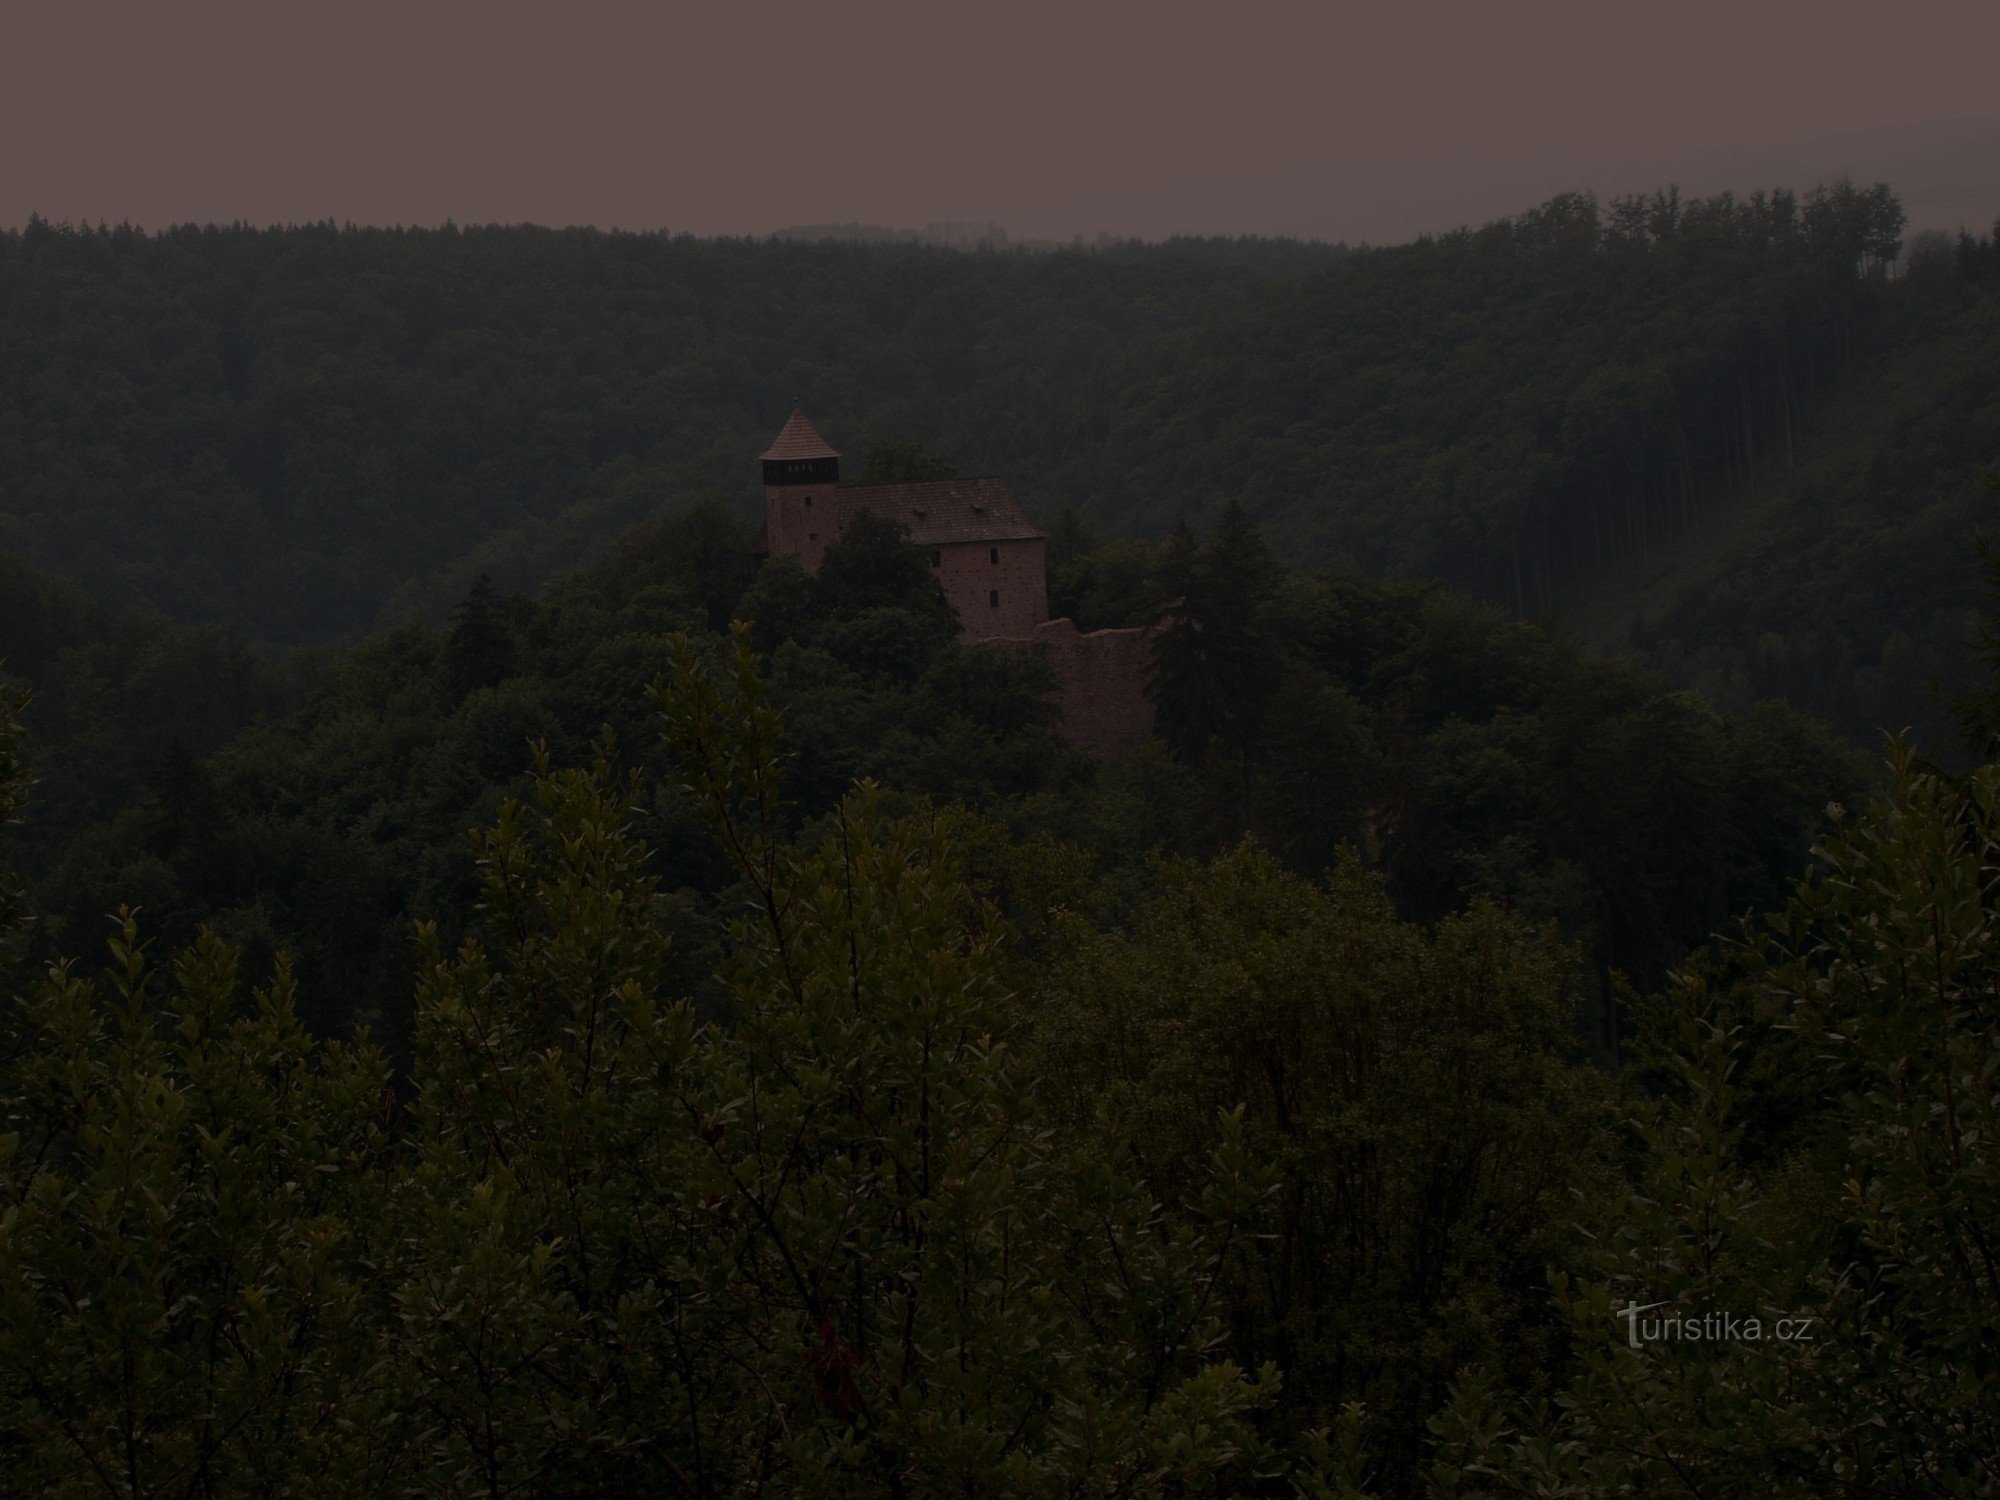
<point>937,558</point>
<point>812,536</point>
<point>809,502</point>
<point>993,598</point>
<point>993,554</point>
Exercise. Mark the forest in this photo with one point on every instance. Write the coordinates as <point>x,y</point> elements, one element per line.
<point>595,1047</point>
<point>1713,433</point>
<point>505,990</point>
<point>1462,753</point>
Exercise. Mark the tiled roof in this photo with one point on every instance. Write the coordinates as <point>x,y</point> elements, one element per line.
<point>798,438</point>
<point>945,510</point>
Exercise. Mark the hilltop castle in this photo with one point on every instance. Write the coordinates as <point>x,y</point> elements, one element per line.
<point>992,565</point>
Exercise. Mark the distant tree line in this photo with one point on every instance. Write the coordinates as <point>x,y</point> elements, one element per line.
<point>313,432</point>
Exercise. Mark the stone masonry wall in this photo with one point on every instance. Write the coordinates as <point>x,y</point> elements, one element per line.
<point>1101,684</point>
<point>802,521</point>
<point>972,573</point>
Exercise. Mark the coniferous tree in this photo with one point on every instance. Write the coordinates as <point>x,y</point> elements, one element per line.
<point>13,797</point>
<point>1187,702</point>
<point>1070,537</point>
<point>1234,581</point>
<point>1214,668</point>
<point>1977,707</point>
<point>185,809</point>
<point>481,650</point>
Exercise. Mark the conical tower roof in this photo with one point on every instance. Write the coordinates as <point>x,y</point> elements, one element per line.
<point>798,438</point>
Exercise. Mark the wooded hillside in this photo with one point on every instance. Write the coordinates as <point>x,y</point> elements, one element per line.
<point>312,432</point>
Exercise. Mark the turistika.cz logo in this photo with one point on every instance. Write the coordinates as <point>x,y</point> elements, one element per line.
<point>1710,1327</point>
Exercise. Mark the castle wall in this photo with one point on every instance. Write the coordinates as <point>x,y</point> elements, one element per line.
<point>802,521</point>
<point>1100,683</point>
<point>1101,677</point>
<point>973,573</point>
<point>993,568</point>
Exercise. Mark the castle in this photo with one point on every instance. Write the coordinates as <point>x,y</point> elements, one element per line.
<point>992,565</point>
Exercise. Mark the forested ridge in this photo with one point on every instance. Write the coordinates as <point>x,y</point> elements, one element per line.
<point>313,432</point>
<point>621,1015</point>
<point>538,1066</point>
<point>1462,754</point>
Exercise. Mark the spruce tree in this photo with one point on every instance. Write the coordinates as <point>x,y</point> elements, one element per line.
<point>1236,577</point>
<point>481,650</point>
<point>1187,709</point>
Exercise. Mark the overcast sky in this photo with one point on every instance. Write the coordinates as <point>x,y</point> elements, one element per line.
<point>1355,121</point>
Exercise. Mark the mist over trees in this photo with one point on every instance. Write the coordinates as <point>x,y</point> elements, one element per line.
<point>1641,414</point>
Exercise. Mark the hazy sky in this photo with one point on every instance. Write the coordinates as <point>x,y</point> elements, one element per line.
<point>1337,119</point>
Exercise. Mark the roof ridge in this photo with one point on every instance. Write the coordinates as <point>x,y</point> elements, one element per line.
<point>798,438</point>
<point>938,511</point>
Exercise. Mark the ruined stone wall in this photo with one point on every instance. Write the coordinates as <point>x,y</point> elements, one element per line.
<point>1100,684</point>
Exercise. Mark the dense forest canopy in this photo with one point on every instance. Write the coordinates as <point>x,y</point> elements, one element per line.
<point>677,1024</point>
<point>1681,420</point>
<point>934,1158</point>
<point>1461,754</point>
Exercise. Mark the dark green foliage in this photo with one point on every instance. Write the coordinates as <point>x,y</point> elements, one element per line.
<point>829,1249</point>
<point>481,649</point>
<point>1415,1094</point>
<point>115,692</point>
<point>1233,582</point>
<point>1977,709</point>
<point>1320,769</point>
<point>780,603</point>
<point>1467,755</point>
<point>1711,430</point>
<point>1867,1204</point>
<point>329,832</point>
<point>702,553</point>
<point>1461,754</point>
<point>1187,706</point>
<point>1841,585</point>
<point>312,431</point>
<point>1215,656</point>
<point>880,607</point>
<point>191,1238</point>
<point>848,1143</point>
<point>860,1092</point>
<point>1101,585</point>
<point>13,794</point>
